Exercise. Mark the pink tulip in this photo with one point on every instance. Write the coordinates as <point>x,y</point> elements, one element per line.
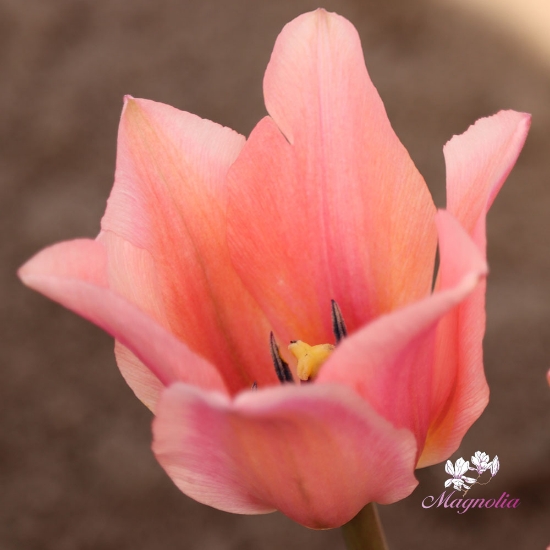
<point>209,242</point>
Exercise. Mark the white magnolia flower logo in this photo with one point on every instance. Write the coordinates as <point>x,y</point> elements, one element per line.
<point>480,461</point>
<point>459,480</point>
<point>481,464</point>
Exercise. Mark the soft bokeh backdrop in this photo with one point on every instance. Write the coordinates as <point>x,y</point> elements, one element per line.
<point>76,470</point>
<point>525,21</point>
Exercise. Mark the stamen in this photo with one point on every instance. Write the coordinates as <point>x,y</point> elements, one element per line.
<point>254,386</point>
<point>281,367</point>
<point>338,325</point>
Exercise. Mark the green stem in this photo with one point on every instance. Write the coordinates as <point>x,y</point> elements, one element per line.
<point>364,531</point>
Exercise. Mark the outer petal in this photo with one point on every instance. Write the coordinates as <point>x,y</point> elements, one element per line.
<point>325,202</point>
<point>138,376</point>
<point>478,162</point>
<point>318,454</point>
<point>164,230</point>
<point>74,274</point>
<point>390,361</point>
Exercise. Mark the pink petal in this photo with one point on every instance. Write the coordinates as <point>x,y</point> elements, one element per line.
<point>164,230</point>
<point>131,271</point>
<point>390,362</point>
<point>324,201</point>
<point>138,376</point>
<point>478,162</point>
<point>317,454</point>
<point>74,274</point>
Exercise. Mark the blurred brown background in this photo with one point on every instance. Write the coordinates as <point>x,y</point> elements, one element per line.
<point>76,470</point>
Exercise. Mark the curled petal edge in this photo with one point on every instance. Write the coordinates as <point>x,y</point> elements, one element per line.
<point>318,454</point>
<point>385,359</point>
<point>73,274</point>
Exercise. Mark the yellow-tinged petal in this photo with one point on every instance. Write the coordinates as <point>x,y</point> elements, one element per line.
<point>324,201</point>
<point>164,231</point>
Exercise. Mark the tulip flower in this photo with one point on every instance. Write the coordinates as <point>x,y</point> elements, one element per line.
<point>210,243</point>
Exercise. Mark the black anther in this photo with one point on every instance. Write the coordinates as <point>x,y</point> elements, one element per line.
<point>338,324</point>
<point>281,367</point>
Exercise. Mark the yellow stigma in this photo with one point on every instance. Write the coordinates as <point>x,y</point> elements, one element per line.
<point>310,358</point>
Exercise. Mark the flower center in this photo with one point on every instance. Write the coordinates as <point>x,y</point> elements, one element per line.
<point>310,358</point>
